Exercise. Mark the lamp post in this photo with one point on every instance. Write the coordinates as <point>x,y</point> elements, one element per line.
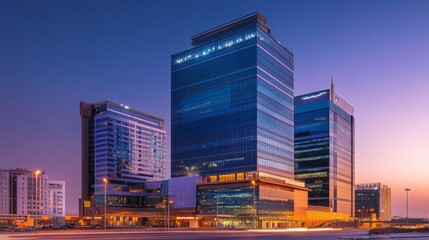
<point>105,202</point>
<point>170,202</point>
<point>407,190</point>
<point>37,207</point>
<point>254,203</point>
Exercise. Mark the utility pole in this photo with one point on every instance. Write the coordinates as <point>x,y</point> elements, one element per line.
<point>168,209</point>
<point>165,210</point>
<point>37,201</point>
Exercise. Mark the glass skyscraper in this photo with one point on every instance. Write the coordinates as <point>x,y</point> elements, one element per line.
<point>232,115</point>
<point>324,149</point>
<point>232,103</point>
<point>124,145</point>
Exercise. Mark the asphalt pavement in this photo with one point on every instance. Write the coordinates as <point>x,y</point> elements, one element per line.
<point>185,235</point>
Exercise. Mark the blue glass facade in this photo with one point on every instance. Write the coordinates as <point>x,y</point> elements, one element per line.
<point>125,146</point>
<point>246,205</point>
<point>324,149</point>
<point>232,102</point>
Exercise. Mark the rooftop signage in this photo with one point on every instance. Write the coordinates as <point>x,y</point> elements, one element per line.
<point>315,96</point>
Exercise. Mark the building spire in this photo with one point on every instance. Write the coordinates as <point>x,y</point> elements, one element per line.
<point>332,89</point>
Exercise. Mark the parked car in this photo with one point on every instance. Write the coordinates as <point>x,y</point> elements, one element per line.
<point>58,226</point>
<point>97,226</point>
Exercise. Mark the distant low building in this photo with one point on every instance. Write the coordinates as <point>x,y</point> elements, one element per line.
<point>57,198</point>
<point>28,195</point>
<point>373,202</point>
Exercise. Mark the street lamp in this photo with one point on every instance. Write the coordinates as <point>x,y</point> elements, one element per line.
<point>170,202</point>
<point>37,207</point>
<point>407,190</point>
<point>254,203</point>
<point>105,202</point>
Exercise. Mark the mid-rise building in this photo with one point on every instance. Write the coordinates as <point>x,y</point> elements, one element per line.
<point>31,193</point>
<point>324,149</point>
<point>124,146</point>
<point>8,186</point>
<point>123,151</point>
<point>373,202</point>
<point>232,116</point>
<point>57,198</point>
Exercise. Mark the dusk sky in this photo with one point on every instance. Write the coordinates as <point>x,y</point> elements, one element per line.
<point>54,54</point>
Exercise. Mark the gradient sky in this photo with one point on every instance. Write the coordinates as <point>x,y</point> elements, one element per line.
<point>54,54</point>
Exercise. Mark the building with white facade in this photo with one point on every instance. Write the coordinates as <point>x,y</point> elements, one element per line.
<point>57,198</point>
<point>30,193</point>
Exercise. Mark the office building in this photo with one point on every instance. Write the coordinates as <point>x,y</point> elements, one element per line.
<point>324,149</point>
<point>124,146</point>
<point>232,102</point>
<point>57,198</point>
<point>127,148</point>
<point>373,202</point>
<point>232,123</point>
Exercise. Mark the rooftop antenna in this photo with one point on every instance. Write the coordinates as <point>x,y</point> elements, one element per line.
<point>332,89</point>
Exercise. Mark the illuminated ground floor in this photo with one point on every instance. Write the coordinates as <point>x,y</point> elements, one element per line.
<point>239,200</point>
<point>248,223</point>
<point>158,217</point>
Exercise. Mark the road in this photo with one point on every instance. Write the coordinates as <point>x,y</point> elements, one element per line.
<point>187,235</point>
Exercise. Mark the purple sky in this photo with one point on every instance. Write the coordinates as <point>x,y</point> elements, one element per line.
<point>54,54</point>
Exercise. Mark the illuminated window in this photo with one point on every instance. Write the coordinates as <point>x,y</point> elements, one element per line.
<point>203,52</point>
<point>212,178</point>
<point>311,175</point>
<point>226,177</point>
<point>240,176</point>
